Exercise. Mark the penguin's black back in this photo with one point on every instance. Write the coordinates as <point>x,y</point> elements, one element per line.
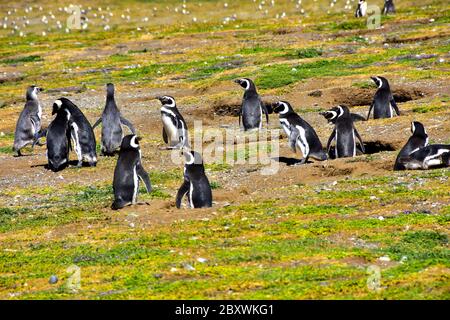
<point>251,110</point>
<point>312,138</point>
<point>123,183</point>
<point>202,194</point>
<point>345,140</point>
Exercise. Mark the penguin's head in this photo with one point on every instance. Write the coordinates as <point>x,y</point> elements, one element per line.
<point>334,113</point>
<point>417,129</point>
<point>282,107</point>
<point>381,82</point>
<point>57,106</point>
<point>109,89</point>
<point>130,141</point>
<point>191,157</point>
<point>246,83</point>
<point>167,101</point>
<point>32,92</point>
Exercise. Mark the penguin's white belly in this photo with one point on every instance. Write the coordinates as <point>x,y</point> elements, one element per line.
<point>76,141</point>
<point>435,159</point>
<point>136,185</point>
<point>304,146</point>
<point>170,128</point>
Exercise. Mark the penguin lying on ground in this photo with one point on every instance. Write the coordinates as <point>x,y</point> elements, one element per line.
<point>29,122</point>
<point>361,9</point>
<point>196,185</point>
<point>127,173</point>
<point>81,132</point>
<point>175,130</point>
<point>300,133</point>
<point>112,122</point>
<point>419,139</point>
<point>383,104</point>
<point>344,132</point>
<point>58,137</point>
<point>388,7</point>
<point>428,156</point>
<point>252,108</point>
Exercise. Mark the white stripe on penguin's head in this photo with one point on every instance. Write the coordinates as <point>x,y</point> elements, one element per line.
<point>172,102</point>
<point>380,83</point>
<point>286,107</point>
<point>133,142</point>
<point>58,103</point>
<point>189,157</point>
<point>341,111</point>
<point>413,127</point>
<point>247,83</point>
<point>334,113</point>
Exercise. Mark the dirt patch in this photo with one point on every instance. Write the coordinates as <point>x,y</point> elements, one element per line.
<point>378,146</point>
<point>363,97</point>
<point>232,107</point>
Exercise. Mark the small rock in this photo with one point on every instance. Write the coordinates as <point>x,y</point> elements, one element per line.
<point>188,267</point>
<point>202,260</point>
<point>384,258</point>
<point>53,279</point>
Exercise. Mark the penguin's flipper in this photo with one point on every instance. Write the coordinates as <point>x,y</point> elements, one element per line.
<point>128,124</point>
<point>37,136</point>
<point>181,192</point>
<point>357,117</point>
<point>96,123</point>
<point>330,139</point>
<point>144,177</point>
<point>164,134</point>
<point>293,137</point>
<point>119,204</point>
<point>370,110</point>
<point>34,120</point>
<point>360,141</point>
<point>394,105</point>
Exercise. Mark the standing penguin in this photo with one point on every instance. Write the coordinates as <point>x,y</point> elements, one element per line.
<point>299,132</point>
<point>419,139</point>
<point>383,104</point>
<point>81,132</point>
<point>127,173</point>
<point>58,137</point>
<point>175,130</point>
<point>388,7</point>
<point>29,122</point>
<point>428,156</point>
<point>361,9</point>
<point>252,108</point>
<point>344,132</point>
<point>196,184</point>
<point>112,122</point>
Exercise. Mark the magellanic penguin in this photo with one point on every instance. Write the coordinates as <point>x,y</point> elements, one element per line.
<point>252,108</point>
<point>112,122</point>
<point>429,156</point>
<point>419,139</point>
<point>196,185</point>
<point>383,104</point>
<point>300,133</point>
<point>175,130</point>
<point>58,137</point>
<point>344,133</point>
<point>361,9</point>
<point>29,122</point>
<point>127,173</point>
<point>388,7</point>
<point>81,132</point>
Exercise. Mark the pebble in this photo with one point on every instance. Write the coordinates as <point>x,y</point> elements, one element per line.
<point>53,279</point>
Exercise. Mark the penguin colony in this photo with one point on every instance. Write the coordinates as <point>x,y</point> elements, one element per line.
<point>70,130</point>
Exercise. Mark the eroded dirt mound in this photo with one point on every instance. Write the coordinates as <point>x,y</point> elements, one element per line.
<point>231,107</point>
<point>363,97</point>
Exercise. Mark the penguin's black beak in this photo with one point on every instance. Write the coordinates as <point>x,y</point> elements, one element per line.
<point>138,139</point>
<point>373,79</point>
<point>40,89</point>
<point>238,81</point>
<point>160,98</point>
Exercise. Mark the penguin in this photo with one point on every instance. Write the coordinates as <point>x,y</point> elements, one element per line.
<point>361,9</point>
<point>426,157</point>
<point>58,138</point>
<point>29,123</point>
<point>252,108</point>
<point>383,104</point>
<point>300,133</point>
<point>344,133</point>
<point>388,7</point>
<point>175,130</point>
<point>112,122</point>
<point>419,139</point>
<point>81,133</point>
<point>127,173</point>
<point>196,185</point>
